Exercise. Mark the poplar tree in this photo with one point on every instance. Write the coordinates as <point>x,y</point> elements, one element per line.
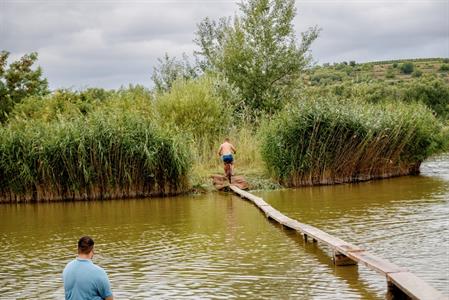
<point>257,52</point>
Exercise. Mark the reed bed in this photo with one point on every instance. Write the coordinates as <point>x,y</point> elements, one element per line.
<point>104,155</point>
<point>98,144</point>
<point>329,141</point>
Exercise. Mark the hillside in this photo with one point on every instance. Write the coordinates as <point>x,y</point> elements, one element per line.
<point>389,71</point>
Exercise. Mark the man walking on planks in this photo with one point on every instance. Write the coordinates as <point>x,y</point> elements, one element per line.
<point>226,152</point>
<point>82,278</point>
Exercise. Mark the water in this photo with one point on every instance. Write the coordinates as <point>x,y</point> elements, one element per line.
<point>218,246</point>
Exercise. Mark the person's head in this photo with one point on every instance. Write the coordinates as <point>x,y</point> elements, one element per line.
<point>86,246</point>
<point>226,139</point>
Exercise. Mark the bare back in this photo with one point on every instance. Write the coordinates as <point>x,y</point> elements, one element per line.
<point>226,148</point>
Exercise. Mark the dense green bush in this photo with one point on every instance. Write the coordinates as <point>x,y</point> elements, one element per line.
<point>432,92</point>
<point>194,109</point>
<point>444,67</point>
<point>329,141</point>
<point>407,68</point>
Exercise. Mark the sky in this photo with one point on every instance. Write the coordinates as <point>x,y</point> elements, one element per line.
<point>113,43</point>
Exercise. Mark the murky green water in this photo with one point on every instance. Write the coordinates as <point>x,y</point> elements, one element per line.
<point>219,246</point>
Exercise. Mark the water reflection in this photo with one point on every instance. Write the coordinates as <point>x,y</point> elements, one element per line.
<point>402,219</point>
<point>219,246</point>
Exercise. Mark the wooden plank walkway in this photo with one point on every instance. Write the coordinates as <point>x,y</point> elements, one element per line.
<point>401,283</point>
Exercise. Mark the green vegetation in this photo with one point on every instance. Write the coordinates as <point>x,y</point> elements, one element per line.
<point>107,153</point>
<point>19,80</point>
<point>376,82</point>
<point>330,141</point>
<point>407,68</point>
<point>251,81</point>
<point>258,53</point>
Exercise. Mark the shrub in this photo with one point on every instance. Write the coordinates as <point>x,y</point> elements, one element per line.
<point>432,92</point>
<point>417,73</point>
<point>444,68</point>
<point>193,108</point>
<point>390,73</point>
<point>407,68</point>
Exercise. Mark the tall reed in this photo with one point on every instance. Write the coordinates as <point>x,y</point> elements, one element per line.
<point>104,155</point>
<point>329,141</point>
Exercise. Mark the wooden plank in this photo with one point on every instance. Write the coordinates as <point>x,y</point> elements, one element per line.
<point>274,214</point>
<point>334,242</point>
<point>293,224</point>
<point>414,287</point>
<point>256,200</point>
<point>374,262</point>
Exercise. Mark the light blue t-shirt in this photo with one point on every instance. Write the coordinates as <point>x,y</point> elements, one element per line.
<point>84,280</point>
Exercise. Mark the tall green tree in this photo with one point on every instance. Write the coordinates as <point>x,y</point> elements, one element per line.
<point>19,80</point>
<point>257,52</point>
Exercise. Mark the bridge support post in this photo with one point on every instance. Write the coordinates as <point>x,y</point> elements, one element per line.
<point>395,293</point>
<point>340,259</point>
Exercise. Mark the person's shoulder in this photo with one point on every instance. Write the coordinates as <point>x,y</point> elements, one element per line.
<point>69,266</point>
<point>70,263</point>
<point>98,269</point>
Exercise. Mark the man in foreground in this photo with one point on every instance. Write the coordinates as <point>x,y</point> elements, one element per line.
<point>226,152</point>
<point>82,278</point>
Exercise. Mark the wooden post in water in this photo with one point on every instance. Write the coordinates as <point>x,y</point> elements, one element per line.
<point>340,259</point>
<point>395,293</point>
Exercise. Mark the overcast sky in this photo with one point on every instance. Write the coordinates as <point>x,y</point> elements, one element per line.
<point>104,43</point>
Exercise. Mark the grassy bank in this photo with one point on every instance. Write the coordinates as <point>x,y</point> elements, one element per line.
<point>331,141</point>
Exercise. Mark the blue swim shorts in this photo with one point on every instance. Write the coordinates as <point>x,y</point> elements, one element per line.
<point>227,159</point>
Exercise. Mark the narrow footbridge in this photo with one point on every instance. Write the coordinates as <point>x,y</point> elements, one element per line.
<point>400,282</point>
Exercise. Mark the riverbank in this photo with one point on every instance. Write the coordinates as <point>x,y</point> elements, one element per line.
<point>130,143</point>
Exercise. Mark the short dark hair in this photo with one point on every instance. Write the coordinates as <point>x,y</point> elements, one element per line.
<point>226,139</point>
<point>85,245</point>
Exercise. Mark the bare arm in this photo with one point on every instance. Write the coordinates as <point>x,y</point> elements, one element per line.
<point>233,149</point>
<point>219,150</point>
<point>109,298</point>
